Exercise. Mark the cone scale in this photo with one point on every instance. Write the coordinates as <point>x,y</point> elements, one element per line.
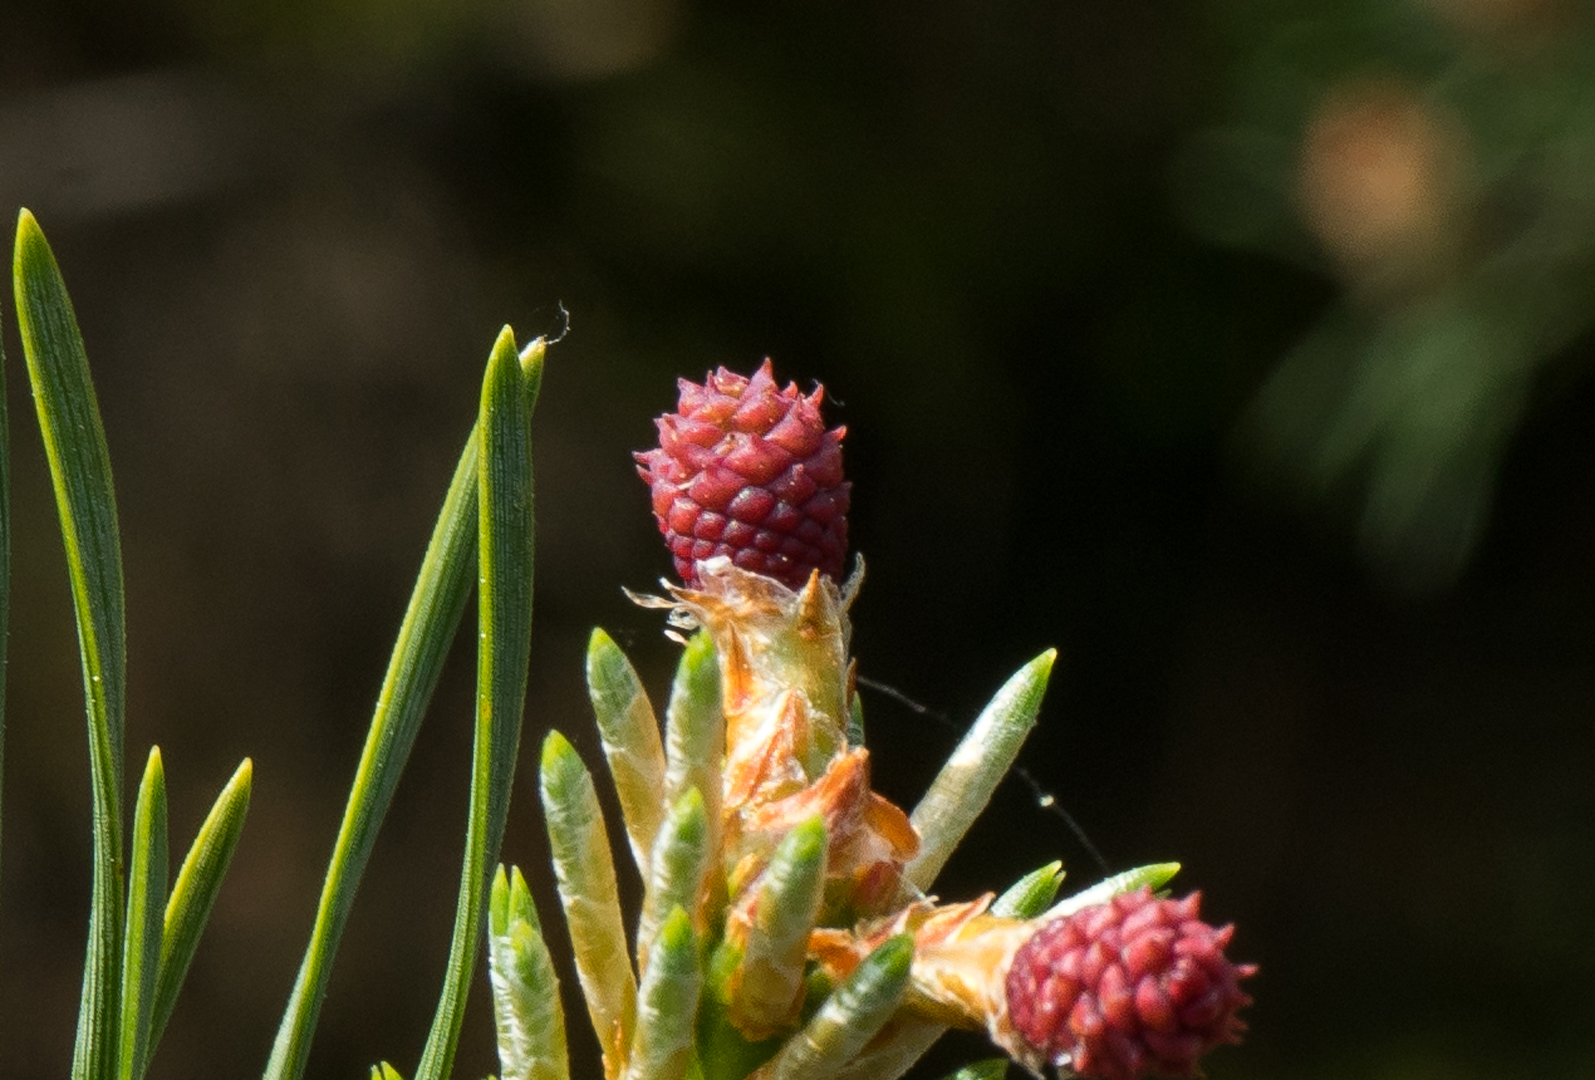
<point>747,471</point>
<point>1134,987</point>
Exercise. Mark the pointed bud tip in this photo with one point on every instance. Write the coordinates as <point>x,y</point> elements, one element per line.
<point>498,896</point>
<point>32,249</point>
<point>807,841</point>
<point>699,651</point>
<point>894,954</point>
<point>242,782</point>
<point>533,355</point>
<point>691,804</point>
<point>676,931</point>
<point>556,750</point>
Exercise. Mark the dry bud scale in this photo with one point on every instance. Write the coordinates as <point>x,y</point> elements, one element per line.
<point>785,931</point>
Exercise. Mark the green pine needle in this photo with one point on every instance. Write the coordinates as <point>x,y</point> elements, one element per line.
<point>437,603</point>
<point>504,605</point>
<point>1031,894</point>
<point>965,785</point>
<point>194,892</point>
<point>894,1050</point>
<point>695,730</point>
<point>630,735</point>
<point>146,893</point>
<point>849,1018</point>
<point>678,867</point>
<point>531,1024</point>
<point>667,1003</point>
<point>1152,877</point>
<point>586,877</point>
<point>769,981</point>
<point>436,606</point>
<point>80,471</point>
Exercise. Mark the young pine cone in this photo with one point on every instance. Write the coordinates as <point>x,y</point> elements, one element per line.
<point>747,470</point>
<point>1134,987</point>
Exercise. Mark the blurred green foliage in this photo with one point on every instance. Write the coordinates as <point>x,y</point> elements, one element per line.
<point>1434,157</point>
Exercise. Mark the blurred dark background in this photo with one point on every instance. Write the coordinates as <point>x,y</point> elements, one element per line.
<point>1238,348</point>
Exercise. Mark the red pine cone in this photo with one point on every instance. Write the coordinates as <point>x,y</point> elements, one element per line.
<point>747,470</point>
<point>1131,988</point>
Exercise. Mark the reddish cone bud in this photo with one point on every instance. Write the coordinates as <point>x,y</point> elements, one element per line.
<point>1131,988</point>
<point>747,470</point>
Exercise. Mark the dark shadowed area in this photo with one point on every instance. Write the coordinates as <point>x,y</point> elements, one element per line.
<point>1238,349</point>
